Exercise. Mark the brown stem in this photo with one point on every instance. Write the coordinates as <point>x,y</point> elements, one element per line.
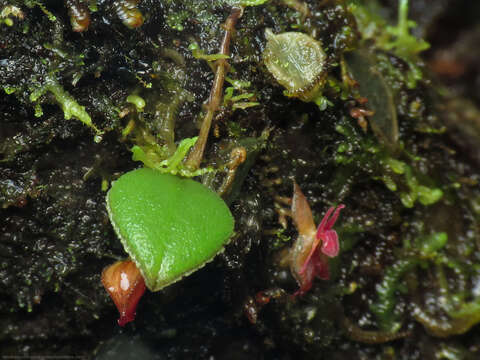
<point>215,98</point>
<point>237,158</point>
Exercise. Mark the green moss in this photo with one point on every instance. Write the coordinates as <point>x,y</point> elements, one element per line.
<point>425,249</point>
<point>71,108</point>
<point>9,90</point>
<point>10,10</point>
<point>429,245</point>
<point>175,20</point>
<point>397,175</point>
<point>279,239</point>
<point>92,5</point>
<point>383,309</point>
<point>49,14</point>
<point>38,110</point>
<point>395,39</point>
<point>424,194</point>
<point>391,38</point>
<point>399,77</point>
<point>235,101</point>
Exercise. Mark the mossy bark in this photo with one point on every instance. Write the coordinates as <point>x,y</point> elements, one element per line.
<point>55,237</point>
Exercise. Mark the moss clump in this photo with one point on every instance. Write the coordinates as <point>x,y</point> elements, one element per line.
<point>71,108</point>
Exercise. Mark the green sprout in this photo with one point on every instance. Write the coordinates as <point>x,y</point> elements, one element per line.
<point>169,226</point>
<point>172,165</point>
<point>404,44</point>
<point>32,3</point>
<point>200,54</point>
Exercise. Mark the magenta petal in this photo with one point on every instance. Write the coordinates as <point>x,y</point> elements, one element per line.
<point>330,245</point>
<point>323,223</point>
<point>334,217</point>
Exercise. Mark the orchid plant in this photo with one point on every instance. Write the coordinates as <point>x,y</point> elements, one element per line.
<point>313,246</point>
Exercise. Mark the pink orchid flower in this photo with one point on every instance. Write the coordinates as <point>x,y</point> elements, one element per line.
<point>308,259</point>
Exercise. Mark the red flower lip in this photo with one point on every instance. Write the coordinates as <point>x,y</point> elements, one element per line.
<point>325,234</point>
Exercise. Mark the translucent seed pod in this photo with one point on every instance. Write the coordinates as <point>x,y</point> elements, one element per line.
<point>79,15</point>
<point>129,14</point>
<point>297,62</point>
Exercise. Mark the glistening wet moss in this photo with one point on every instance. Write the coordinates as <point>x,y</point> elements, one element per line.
<point>56,237</point>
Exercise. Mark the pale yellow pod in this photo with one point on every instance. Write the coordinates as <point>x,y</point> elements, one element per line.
<point>297,62</point>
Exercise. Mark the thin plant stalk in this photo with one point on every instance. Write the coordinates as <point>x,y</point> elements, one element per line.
<point>221,68</point>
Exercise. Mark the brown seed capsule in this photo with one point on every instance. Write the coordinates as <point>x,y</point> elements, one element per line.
<point>125,285</point>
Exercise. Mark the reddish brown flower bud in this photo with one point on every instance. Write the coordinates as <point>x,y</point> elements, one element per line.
<point>125,285</point>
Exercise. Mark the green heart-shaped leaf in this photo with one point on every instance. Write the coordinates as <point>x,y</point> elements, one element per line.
<point>168,225</point>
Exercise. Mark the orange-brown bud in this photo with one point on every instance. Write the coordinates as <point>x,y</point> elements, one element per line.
<point>125,285</point>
